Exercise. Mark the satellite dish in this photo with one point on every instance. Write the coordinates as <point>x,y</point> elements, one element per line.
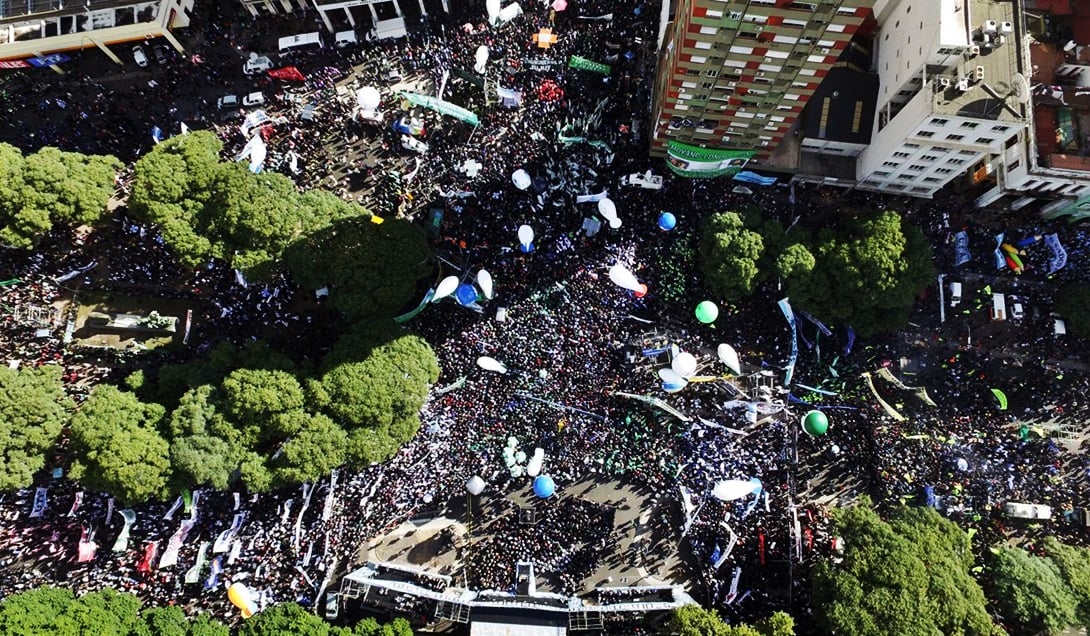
<point>1020,88</point>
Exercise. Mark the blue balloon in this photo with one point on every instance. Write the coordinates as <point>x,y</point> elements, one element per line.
<point>466,294</point>
<point>527,248</point>
<point>667,221</point>
<point>544,486</point>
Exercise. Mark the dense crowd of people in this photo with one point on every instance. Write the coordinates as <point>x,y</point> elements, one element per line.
<point>571,339</point>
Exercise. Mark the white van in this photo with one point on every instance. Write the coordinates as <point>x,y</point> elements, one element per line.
<point>1026,511</point>
<point>955,294</point>
<point>342,39</point>
<point>999,307</point>
<point>644,180</point>
<point>301,41</point>
<point>227,101</point>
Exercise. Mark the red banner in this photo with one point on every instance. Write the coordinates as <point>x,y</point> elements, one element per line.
<point>287,73</point>
<point>14,64</point>
<point>149,555</point>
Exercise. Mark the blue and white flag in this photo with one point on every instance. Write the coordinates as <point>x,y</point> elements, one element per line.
<point>961,248</point>
<point>1000,259</point>
<point>1059,254</point>
<point>789,369</point>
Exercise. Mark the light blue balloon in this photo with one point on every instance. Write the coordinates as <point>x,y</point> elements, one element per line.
<point>544,486</point>
<point>667,221</point>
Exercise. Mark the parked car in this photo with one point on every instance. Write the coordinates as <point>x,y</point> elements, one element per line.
<point>227,101</point>
<point>644,180</point>
<point>160,54</point>
<point>257,64</point>
<point>413,144</point>
<point>139,56</point>
<point>255,98</point>
<point>1017,312</point>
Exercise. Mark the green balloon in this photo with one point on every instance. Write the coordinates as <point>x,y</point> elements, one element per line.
<point>815,423</point>
<point>707,312</point>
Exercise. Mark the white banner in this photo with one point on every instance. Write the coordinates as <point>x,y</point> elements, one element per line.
<point>40,502</point>
<point>170,555</point>
<point>589,198</point>
<point>122,542</point>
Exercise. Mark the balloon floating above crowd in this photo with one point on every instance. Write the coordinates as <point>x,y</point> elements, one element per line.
<point>521,179</point>
<point>491,364</point>
<point>466,294</point>
<point>707,312</point>
<point>622,277</point>
<point>729,357</point>
<point>684,364</point>
<point>667,221</point>
<point>446,287</point>
<point>526,239</point>
<point>672,382</point>
<point>240,597</point>
<point>544,486</point>
<point>484,281</point>
<point>815,423</point>
<point>475,485</point>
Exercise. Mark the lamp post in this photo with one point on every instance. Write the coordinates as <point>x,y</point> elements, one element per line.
<point>474,486</point>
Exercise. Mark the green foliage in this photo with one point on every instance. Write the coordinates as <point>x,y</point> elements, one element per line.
<point>117,448</point>
<point>794,262</point>
<point>312,452</point>
<point>693,620</point>
<point>209,209</point>
<point>1073,303</point>
<point>371,270</point>
<point>1031,591</point>
<point>866,275</point>
<point>908,576</point>
<point>33,410</point>
<point>254,395</point>
<point>729,253</point>
<point>50,611</point>
<point>1074,565</point>
<point>778,624</point>
<point>48,187</point>
<point>379,389</point>
<point>284,618</point>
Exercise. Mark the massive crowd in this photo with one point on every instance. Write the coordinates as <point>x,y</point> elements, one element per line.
<point>571,339</point>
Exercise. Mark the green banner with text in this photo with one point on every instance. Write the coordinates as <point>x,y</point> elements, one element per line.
<point>589,65</point>
<point>693,161</point>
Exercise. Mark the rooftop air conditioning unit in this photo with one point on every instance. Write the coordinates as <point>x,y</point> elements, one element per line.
<point>991,26</point>
<point>963,85</point>
<point>1006,28</point>
<point>974,50</point>
<point>978,74</point>
<point>944,82</point>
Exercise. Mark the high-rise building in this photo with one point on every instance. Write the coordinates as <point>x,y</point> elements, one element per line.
<point>736,75</point>
<point>38,32</point>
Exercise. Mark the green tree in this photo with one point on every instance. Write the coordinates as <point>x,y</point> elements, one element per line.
<point>33,612</point>
<point>693,620</point>
<point>1031,591</point>
<point>794,261</point>
<point>381,393</point>
<point>867,274</point>
<point>163,621</point>
<point>33,410</point>
<point>729,253</point>
<point>1074,564</point>
<point>204,625</point>
<point>103,612</point>
<point>778,624</point>
<point>1073,303</point>
<point>371,270</point>
<point>50,186</point>
<point>312,452</point>
<point>254,395</point>
<point>907,576</point>
<point>282,620</point>
<point>116,447</point>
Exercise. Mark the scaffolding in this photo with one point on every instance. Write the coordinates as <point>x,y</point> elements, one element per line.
<point>453,611</point>
<point>584,620</point>
<point>35,316</point>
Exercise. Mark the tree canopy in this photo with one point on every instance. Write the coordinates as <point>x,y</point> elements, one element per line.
<point>1074,565</point>
<point>693,620</point>
<point>206,208</point>
<point>1073,303</point>
<point>33,410</point>
<point>729,253</point>
<point>51,186</point>
<point>866,274</point>
<point>288,619</point>
<point>117,448</point>
<point>906,576</point>
<point>53,611</point>
<point>1031,591</point>
<point>371,269</point>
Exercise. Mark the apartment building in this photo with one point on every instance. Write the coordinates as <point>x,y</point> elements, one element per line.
<point>735,75</point>
<point>386,16</point>
<point>39,32</point>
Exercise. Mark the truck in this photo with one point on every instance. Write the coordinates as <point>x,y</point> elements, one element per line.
<point>999,307</point>
<point>644,180</point>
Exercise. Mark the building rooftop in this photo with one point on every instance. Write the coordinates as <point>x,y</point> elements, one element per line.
<point>842,108</point>
<point>15,11</point>
<point>985,84</point>
<point>1060,86</point>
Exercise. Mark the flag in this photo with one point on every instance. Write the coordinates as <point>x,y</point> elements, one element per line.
<point>289,73</point>
<point>156,134</point>
<point>961,248</point>
<point>185,129</point>
<point>1059,254</point>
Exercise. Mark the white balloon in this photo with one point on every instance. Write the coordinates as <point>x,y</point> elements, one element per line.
<point>368,98</point>
<point>729,357</point>
<point>520,457</point>
<point>445,288</point>
<point>475,485</point>
<point>669,376</point>
<point>521,179</point>
<point>481,57</point>
<point>533,468</point>
<point>731,489</point>
<point>615,223</point>
<point>684,364</point>
<point>484,281</point>
<point>621,277</point>
<point>491,364</point>
<point>526,234</point>
<point>492,7</point>
<point>607,209</point>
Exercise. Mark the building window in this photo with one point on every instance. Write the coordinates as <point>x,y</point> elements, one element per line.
<point>929,157</point>
<point>890,164</point>
<point>938,121</point>
<point>955,161</point>
<point>926,134</point>
<point>711,73</point>
<point>955,137</point>
<point>902,155</point>
<point>985,140</point>
<point>910,146</point>
<point>917,167</point>
<point>967,153</point>
<point>1014,164</point>
<point>970,125</point>
<point>944,171</point>
<point>932,179</point>
<point>999,129</point>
